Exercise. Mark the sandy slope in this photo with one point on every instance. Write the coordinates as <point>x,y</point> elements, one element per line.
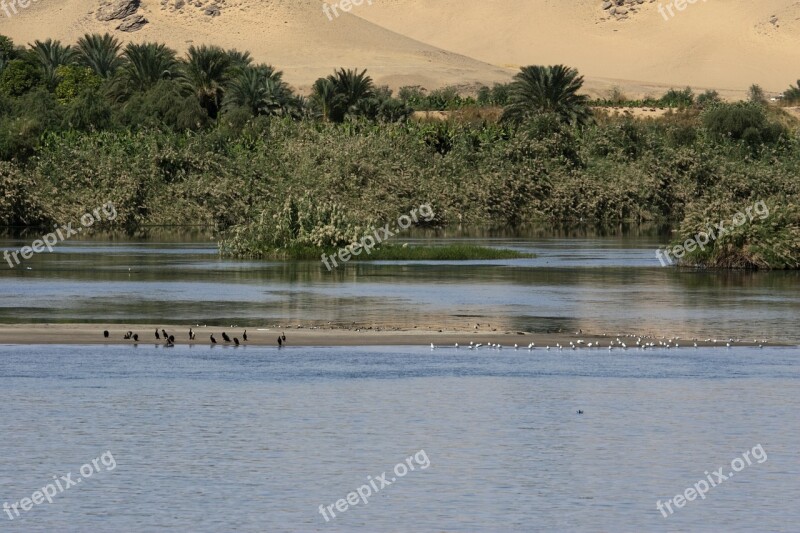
<point>723,44</point>
<point>293,35</point>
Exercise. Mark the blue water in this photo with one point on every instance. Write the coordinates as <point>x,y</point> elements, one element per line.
<point>256,439</point>
<point>610,284</point>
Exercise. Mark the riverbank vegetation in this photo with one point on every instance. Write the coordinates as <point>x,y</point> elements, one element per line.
<point>212,138</point>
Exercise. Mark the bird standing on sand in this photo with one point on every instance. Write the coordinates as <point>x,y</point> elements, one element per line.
<point>136,337</point>
<point>280,343</point>
<point>158,337</point>
<point>164,332</point>
<point>244,336</point>
<point>283,336</point>
<point>105,334</point>
<point>225,337</point>
<point>191,334</point>
<point>213,340</point>
<point>236,341</point>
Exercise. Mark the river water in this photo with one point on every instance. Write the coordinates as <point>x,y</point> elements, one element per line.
<point>257,439</point>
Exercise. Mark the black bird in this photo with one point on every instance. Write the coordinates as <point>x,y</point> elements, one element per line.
<point>244,336</point>
<point>136,337</point>
<point>191,334</point>
<point>157,336</point>
<point>283,336</point>
<point>236,341</point>
<point>164,332</point>
<point>172,338</point>
<point>105,334</point>
<point>225,337</point>
<point>169,343</point>
<point>127,336</point>
<point>580,412</point>
<point>213,340</point>
<point>280,342</point>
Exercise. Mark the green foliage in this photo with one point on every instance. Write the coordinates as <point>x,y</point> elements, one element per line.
<point>299,222</point>
<point>164,105</point>
<point>792,94</point>
<point>742,122</point>
<point>755,95</point>
<point>74,80</point>
<point>18,77</point>
<point>20,204</point>
<point>678,98</point>
<point>553,89</point>
<point>708,99</point>
<point>766,238</point>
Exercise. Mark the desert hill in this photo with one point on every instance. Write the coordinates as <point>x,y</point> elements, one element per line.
<point>722,44</point>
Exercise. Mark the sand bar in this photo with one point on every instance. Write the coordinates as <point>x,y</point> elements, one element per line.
<point>92,334</point>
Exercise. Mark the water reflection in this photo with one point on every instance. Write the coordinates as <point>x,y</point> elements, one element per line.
<point>597,280</point>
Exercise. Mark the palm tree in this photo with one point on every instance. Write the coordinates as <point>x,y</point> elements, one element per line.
<point>260,90</point>
<point>146,64</point>
<point>349,88</point>
<point>207,70</point>
<point>51,55</point>
<point>553,89</point>
<point>322,95</point>
<point>239,60</point>
<point>100,53</point>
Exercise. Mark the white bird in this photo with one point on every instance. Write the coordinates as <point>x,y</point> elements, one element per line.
<point>433,347</point>
<point>516,347</point>
<point>456,346</point>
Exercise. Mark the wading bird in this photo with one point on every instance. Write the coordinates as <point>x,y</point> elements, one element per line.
<point>236,341</point>
<point>280,343</point>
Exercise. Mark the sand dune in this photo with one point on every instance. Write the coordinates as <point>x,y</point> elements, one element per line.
<point>721,44</point>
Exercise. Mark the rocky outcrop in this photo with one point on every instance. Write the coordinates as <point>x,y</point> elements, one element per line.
<point>622,9</point>
<point>117,9</point>
<point>132,23</point>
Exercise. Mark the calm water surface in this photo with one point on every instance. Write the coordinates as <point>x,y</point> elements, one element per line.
<point>608,284</point>
<point>256,439</point>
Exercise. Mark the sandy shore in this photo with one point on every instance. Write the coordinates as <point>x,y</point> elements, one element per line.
<point>92,334</point>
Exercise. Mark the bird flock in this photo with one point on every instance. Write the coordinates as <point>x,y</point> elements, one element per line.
<point>161,336</point>
<point>621,342</point>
